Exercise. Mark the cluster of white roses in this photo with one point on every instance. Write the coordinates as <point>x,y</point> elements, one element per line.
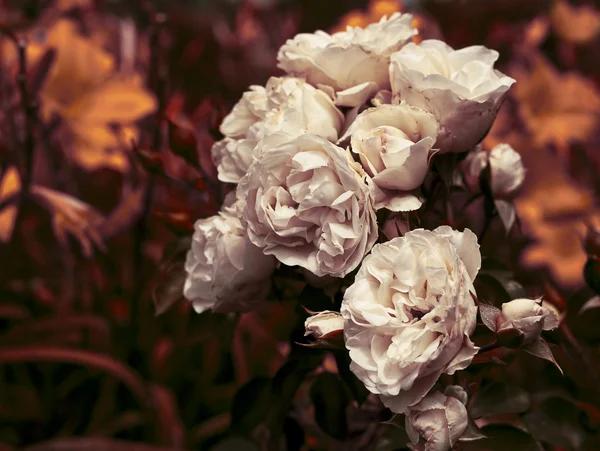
<point>349,130</point>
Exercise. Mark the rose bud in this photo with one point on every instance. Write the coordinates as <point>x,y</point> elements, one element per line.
<point>438,420</point>
<point>506,169</point>
<point>324,325</point>
<point>522,321</point>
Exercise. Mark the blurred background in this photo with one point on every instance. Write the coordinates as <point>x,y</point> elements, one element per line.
<point>108,110</point>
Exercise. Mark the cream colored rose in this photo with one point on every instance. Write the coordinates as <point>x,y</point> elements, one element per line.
<point>460,87</point>
<point>225,271</point>
<point>526,316</point>
<point>438,420</point>
<point>308,205</point>
<point>409,313</point>
<point>287,105</point>
<point>353,63</point>
<point>251,108</point>
<point>324,324</point>
<point>394,144</point>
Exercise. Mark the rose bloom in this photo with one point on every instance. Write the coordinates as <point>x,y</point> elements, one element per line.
<point>394,144</point>
<point>225,271</point>
<point>526,316</point>
<point>287,104</point>
<point>460,87</point>
<point>308,205</point>
<point>353,63</point>
<point>438,420</point>
<point>409,313</point>
<point>506,169</point>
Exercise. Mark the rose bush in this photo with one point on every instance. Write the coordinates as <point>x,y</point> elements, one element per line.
<point>225,271</point>
<point>308,205</point>
<point>394,144</point>
<point>460,87</point>
<point>409,313</point>
<point>353,64</point>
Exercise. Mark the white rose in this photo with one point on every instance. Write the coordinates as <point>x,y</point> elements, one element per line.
<point>526,316</point>
<point>324,324</point>
<point>251,108</point>
<point>353,63</point>
<point>308,205</point>
<point>409,314</point>
<point>225,271</point>
<point>438,420</point>
<point>506,169</point>
<point>394,144</point>
<point>290,105</point>
<point>460,87</point>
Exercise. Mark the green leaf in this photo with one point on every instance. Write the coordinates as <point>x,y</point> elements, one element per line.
<point>503,438</point>
<point>540,349</point>
<point>499,398</point>
<point>556,421</point>
<point>357,388</point>
<point>330,399</point>
<point>250,405</point>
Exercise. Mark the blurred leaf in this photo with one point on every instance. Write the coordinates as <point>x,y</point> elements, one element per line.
<point>394,439</point>
<point>556,421</point>
<point>499,398</point>
<point>591,274</point>
<point>70,216</point>
<point>314,299</point>
<point>94,444</point>
<point>578,24</point>
<point>558,108</point>
<point>540,349</point>
<point>10,187</point>
<point>20,404</point>
<point>38,74</point>
<point>330,400</point>
<point>356,387</point>
<point>171,430</point>
<point>22,354</point>
<point>167,285</point>
<point>503,438</point>
<point>593,303</point>
<point>250,405</point>
<point>32,332</point>
<point>235,444</point>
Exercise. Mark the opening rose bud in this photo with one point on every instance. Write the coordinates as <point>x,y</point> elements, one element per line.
<point>324,325</point>
<point>439,420</point>
<point>521,322</point>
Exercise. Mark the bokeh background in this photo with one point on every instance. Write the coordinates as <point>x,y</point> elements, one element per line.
<point>108,110</point>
